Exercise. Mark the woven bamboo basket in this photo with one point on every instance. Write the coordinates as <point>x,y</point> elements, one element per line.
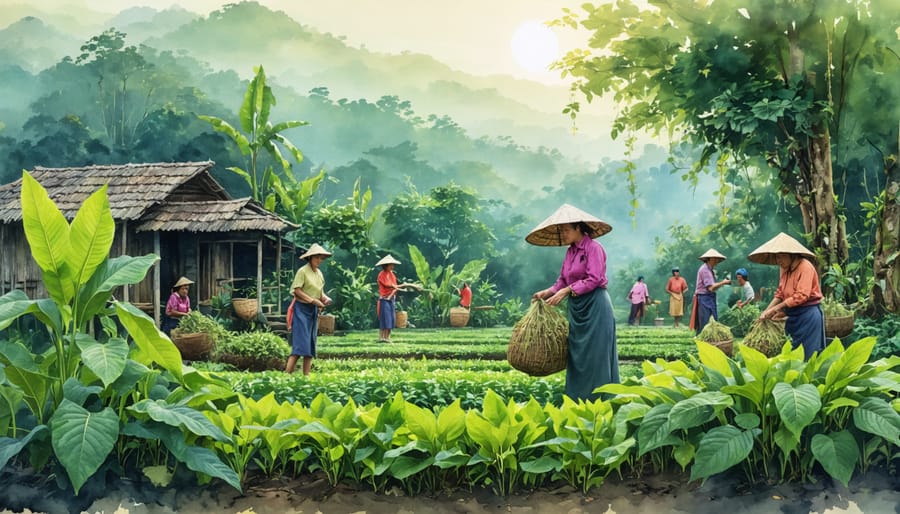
<point>245,308</point>
<point>400,319</point>
<point>727,347</point>
<point>839,327</point>
<point>193,346</point>
<point>326,324</point>
<point>459,316</point>
<point>538,345</point>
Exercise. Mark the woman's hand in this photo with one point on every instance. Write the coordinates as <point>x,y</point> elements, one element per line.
<point>559,295</point>
<point>540,295</point>
<point>326,300</point>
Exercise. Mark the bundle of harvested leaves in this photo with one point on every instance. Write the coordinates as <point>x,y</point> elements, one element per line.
<point>766,336</point>
<point>718,335</point>
<point>539,342</point>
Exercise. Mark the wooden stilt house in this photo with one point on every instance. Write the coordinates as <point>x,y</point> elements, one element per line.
<point>175,210</point>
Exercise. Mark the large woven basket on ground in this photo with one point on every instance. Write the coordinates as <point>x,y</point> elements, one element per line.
<point>539,343</point>
<point>459,316</point>
<point>839,327</point>
<point>193,346</point>
<point>245,308</point>
<point>400,319</point>
<point>326,324</point>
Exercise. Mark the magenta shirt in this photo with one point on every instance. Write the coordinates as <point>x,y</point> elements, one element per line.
<point>705,279</point>
<point>584,268</point>
<point>178,304</point>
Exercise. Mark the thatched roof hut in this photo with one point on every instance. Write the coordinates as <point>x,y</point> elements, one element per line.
<point>176,210</point>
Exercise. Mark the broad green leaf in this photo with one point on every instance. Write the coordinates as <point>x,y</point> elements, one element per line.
<point>77,393</point>
<point>106,360</point>
<point>483,433</point>
<point>90,237</point>
<point>684,454</point>
<point>786,440</point>
<point>150,341</point>
<point>797,406</point>
<point>451,422</point>
<point>404,467</point>
<point>180,416</point>
<point>82,439</point>
<point>853,358</point>
<point>112,273</point>
<point>11,399</point>
<point>747,420</point>
<point>755,361</point>
<point>494,409</point>
<point>714,358</point>
<point>876,416</point>
<point>837,452</point>
<point>204,460</point>
<point>450,459</point>
<point>47,232</point>
<point>541,465</point>
<point>421,422</point>
<point>10,447</point>
<point>131,375</point>
<point>655,430</point>
<point>18,355</point>
<point>721,448</point>
<point>220,125</point>
<point>697,409</point>
<point>837,403</point>
<point>13,305</point>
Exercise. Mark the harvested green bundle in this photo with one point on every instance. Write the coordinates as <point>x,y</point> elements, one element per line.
<point>539,342</point>
<point>766,336</point>
<point>718,335</point>
<point>833,309</point>
<point>740,318</point>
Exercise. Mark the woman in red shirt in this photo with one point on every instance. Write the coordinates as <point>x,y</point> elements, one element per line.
<point>387,298</point>
<point>798,295</point>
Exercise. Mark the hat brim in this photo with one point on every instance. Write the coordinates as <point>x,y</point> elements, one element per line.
<point>549,233</point>
<point>387,260</point>
<point>782,243</point>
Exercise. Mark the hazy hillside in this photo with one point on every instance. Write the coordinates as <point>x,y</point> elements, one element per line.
<point>33,45</point>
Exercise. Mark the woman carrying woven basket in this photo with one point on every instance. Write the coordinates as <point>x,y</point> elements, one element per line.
<point>178,306</point>
<point>308,290</point>
<point>592,358</point>
<point>799,295</point>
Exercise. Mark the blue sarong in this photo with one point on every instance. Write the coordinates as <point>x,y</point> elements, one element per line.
<point>593,360</point>
<point>304,328</point>
<point>806,326</point>
<point>706,308</point>
<point>386,310</point>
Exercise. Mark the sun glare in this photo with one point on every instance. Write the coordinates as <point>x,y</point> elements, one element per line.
<point>534,46</point>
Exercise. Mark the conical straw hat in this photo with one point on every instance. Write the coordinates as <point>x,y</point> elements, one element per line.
<point>315,249</point>
<point>710,254</point>
<point>387,259</point>
<point>782,243</point>
<point>183,281</point>
<point>547,232</point>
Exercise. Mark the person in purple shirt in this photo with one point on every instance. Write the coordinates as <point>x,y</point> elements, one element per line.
<point>593,360</point>
<point>705,292</point>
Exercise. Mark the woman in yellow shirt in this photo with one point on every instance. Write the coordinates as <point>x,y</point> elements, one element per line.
<point>308,290</point>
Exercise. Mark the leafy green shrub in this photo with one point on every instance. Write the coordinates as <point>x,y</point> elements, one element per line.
<point>740,319</point>
<point>833,309</point>
<point>263,345</point>
<point>886,331</point>
<point>196,322</point>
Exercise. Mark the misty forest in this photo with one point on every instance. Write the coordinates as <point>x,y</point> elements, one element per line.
<point>683,127</point>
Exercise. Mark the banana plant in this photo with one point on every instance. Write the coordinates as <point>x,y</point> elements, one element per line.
<point>260,135</point>
<point>75,390</point>
<point>440,283</point>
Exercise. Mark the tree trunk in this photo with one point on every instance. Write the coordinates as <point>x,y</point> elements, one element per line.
<point>886,266</point>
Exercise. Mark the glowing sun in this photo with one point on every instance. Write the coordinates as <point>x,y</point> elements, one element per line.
<point>534,46</point>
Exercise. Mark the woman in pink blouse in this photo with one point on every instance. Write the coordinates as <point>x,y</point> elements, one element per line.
<point>592,360</point>
<point>178,306</point>
<point>638,296</point>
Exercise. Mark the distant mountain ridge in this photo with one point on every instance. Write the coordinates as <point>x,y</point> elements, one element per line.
<point>243,35</point>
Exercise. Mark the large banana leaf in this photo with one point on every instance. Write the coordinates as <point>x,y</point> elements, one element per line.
<point>47,232</point>
<point>90,237</point>
<point>82,439</point>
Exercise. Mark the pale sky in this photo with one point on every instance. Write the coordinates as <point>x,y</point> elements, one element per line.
<point>469,35</point>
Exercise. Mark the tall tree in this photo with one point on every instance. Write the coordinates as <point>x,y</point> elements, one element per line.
<point>764,83</point>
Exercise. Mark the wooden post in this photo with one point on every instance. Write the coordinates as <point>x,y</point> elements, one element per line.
<point>126,291</point>
<point>259,266</point>
<point>278,274</point>
<point>156,279</point>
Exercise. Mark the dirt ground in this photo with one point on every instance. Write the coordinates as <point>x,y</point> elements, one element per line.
<point>876,493</point>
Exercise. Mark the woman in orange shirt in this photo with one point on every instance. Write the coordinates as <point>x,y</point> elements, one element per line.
<point>798,295</point>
